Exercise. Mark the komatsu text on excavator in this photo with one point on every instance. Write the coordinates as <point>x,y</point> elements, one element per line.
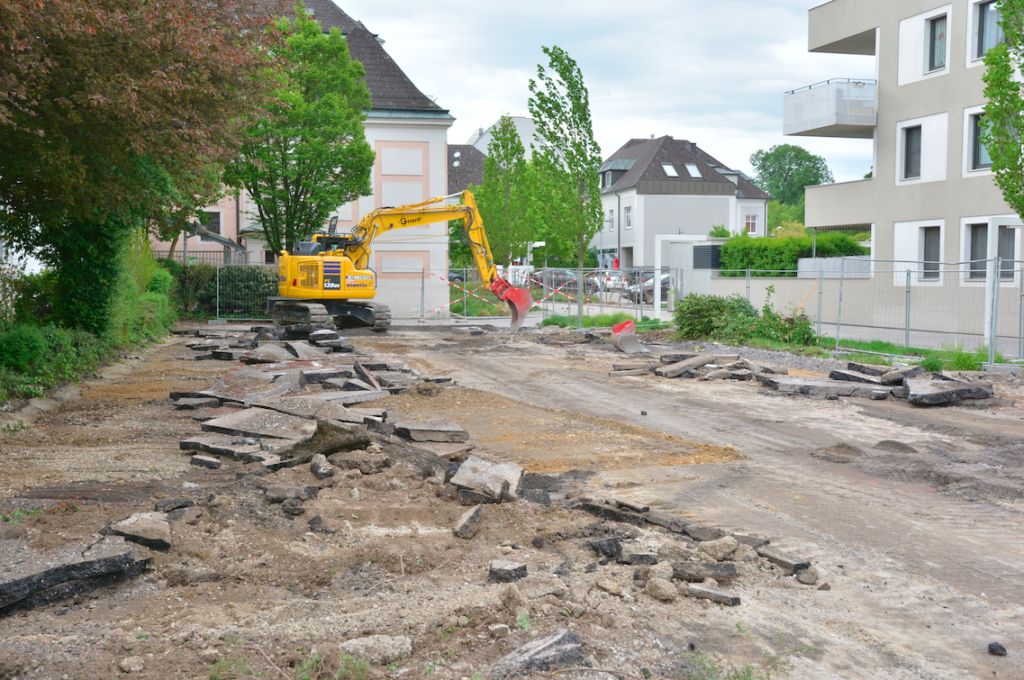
<point>329,279</point>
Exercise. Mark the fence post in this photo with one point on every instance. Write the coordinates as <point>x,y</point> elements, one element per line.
<point>423,292</point>
<point>821,298</point>
<point>218,290</point>
<point>1020,316</point>
<point>839,314</point>
<point>579,296</point>
<point>906,343</point>
<point>994,335</point>
<point>748,284</point>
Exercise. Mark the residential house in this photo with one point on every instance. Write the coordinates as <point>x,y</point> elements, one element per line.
<point>465,167</point>
<point>931,197</point>
<point>526,128</point>
<point>669,187</point>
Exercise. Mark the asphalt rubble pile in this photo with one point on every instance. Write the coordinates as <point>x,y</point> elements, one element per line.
<point>911,383</point>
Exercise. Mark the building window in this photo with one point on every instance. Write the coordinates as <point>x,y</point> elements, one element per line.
<point>937,43</point>
<point>627,214</point>
<point>694,171</point>
<point>977,238</point>
<point>611,220</point>
<point>669,169</point>
<point>979,154</point>
<point>607,179</point>
<point>751,224</point>
<point>912,152</point>
<point>930,248</point>
<point>210,222</point>
<point>990,33</point>
<point>269,257</point>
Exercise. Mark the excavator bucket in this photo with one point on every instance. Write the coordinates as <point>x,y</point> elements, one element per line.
<point>624,338</point>
<point>519,301</point>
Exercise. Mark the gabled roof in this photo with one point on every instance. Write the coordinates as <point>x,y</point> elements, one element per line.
<point>470,168</point>
<point>389,87</point>
<point>644,161</point>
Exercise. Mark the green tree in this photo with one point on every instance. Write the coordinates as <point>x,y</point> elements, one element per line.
<point>502,198</point>
<point>780,213</point>
<point>308,155</point>
<point>785,169</point>
<point>568,158</point>
<point>110,115</point>
<point>1003,122</point>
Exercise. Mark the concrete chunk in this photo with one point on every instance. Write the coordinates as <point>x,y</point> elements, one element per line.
<point>630,505</point>
<point>561,649</point>
<point>469,523</point>
<point>149,529</point>
<point>685,367</point>
<point>267,354</point>
<point>823,388</point>
<point>897,376</point>
<point>279,494</point>
<point>206,462</point>
<point>699,532</point>
<point>611,513</point>
<point>319,375</point>
<point>431,431</point>
<point>500,481</point>
<point>349,398</point>
<point>364,373</point>
<point>235,447</point>
<point>260,422</point>
<point>868,369</point>
<point>696,572</point>
<point>196,403</point>
<point>173,504</point>
<point>677,357</point>
<point>789,563</point>
<point>503,571</point>
<point>853,376</point>
<point>666,521</point>
<point>937,393</point>
<point>718,596</point>
<point>329,437</point>
<point>304,351</point>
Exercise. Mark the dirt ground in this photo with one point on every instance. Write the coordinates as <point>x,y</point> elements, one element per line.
<point>920,539</point>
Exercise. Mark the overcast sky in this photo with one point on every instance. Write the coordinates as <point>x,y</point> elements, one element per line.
<point>711,72</point>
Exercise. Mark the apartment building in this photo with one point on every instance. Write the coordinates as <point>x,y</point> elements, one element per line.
<point>931,197</point>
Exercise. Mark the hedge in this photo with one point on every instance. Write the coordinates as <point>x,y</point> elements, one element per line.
<point>779,256</point>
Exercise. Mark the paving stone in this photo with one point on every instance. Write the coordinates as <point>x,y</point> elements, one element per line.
<point>378,650</point>
<point>263,423</point>
<point>751,541</point>
<point>324,334</point>
<point>789,563</point>
<point>609,512</point>
<point>395,378</point>
<point>193,404</point>
<point>683,368</point>
<point>30,578</point>
<point>672,552</point>
<point>149,529</point>
<point>431,431</point>
<point>206,462</point>
<point>706,593</point>
<point>729,374</point>
<point>449,451</point>
<point>469,523</point>
<point>696,572</point>
<point>500,481</point>
<point>630,505</point>
<point>561,649</point>
<point>935,393</point>
<point>502,571</point>
<point>897,376</point>
<point>174,504</point>
<point>853,376</point>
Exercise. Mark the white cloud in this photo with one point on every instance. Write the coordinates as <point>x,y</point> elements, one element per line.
<point>712,72</point>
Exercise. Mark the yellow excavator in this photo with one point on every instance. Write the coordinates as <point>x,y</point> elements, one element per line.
<point>328,279</point>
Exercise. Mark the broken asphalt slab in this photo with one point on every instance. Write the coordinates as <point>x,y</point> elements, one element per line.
<point>431,431</point>
<point>938,393</point>
<point>822,388</point>
<point>230,446</point>
<point>31,578</point>
<point>263,423</point>
<point>148,529</point>
<point>685,368</point>
<point>499,481</point>
<point>561,649</point>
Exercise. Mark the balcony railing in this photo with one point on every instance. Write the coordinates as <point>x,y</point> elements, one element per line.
<point>841,107</point>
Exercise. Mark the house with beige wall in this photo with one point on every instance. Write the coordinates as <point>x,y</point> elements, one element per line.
<point>931,198</point>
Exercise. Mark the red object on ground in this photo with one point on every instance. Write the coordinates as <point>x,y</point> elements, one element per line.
<point>519,300</point>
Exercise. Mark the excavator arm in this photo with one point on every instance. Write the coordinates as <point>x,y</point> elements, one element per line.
<point>358,245</point>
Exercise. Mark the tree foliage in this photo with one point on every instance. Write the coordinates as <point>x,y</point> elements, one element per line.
<point>780,256</point>
<point>781,214</point>
<point>503,198</point>
<point>568,159</point>
<point>785,169</point>
<point>308,154</point>
<point>1003,123</point>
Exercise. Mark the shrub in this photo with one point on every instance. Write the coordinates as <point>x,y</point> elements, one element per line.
<point>932,364</point>
<point>779,256</point>
<point>161,282</point>
<point>22,348</point>
<point>194,287</point>
<point>244,290</point>
<point>154,315</point>
<point>35,298</point>
<point>706,316</point>
<point>719,231</point>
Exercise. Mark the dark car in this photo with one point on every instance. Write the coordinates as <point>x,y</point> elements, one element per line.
<point>565,279</point>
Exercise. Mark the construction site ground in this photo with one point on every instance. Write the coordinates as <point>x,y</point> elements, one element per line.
<point>920,540</point>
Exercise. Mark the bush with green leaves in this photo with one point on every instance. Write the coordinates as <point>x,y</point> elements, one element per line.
<point>162,282</point>
<point>734,319</point>
<point>22,348</point>
<point>37,358</point>
<point>779,256</point>
<point>244,290</point>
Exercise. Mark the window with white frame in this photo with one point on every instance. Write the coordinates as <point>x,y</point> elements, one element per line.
<point>931,247</point>
<point>627,216</point>
<point>980,158</point>
<point>911,152</point>
<point>694,171</point>
<point>977,251</point>
<point>751,224</point>
<point>988,33</point>
<point>669,169</point>
<point>210,222</point>
<point>611,220</point>
<point>936,43</point>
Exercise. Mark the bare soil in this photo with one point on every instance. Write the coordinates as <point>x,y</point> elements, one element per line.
<point>922,545</point>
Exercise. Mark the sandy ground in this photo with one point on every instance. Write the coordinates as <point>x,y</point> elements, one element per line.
<point>923,549</point>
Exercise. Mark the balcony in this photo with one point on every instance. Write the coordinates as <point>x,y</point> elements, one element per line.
<point>840,107</point>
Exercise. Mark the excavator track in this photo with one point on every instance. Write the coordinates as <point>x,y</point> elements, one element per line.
<point>290,313</point>
<point>335,313</point>
<point>381,314</point>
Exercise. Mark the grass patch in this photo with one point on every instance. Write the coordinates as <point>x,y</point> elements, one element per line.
<point>602,321</point>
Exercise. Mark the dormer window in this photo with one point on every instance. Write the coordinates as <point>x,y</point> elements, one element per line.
<point>669,169</point>
<point>694,171</point>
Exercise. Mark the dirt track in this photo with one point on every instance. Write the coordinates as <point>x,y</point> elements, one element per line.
<point>924,551</point>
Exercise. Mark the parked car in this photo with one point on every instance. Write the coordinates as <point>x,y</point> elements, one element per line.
<point>567,278</point>
<point>457,277</point>
<point>645,292</point>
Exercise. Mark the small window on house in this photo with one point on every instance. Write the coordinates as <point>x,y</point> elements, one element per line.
<point>977,239</point>
<point>607,179</point>
<point>937,43</point>
<point>979,154</point>
<point>210,222</point>
<point>1007,240</point>
<point>912,152</point>
<point>669,169</point>
<point>269,257</point>
<point>627,215</point>
<point>611,220</point>
<point>694,171</point>
<point>990,33</point>
<point>930,252</point>
<point>751,224</point>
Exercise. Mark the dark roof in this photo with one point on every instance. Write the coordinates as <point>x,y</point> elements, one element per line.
<point>389,87</point>
<point>470,169</point>
<point>643,158</point>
